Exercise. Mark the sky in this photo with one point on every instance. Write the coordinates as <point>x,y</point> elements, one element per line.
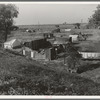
<point>31,14</point>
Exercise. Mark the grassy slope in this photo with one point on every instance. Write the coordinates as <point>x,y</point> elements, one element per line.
<point>19,75</point>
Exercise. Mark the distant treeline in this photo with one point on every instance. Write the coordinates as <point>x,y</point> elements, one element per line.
<point>51,26</point>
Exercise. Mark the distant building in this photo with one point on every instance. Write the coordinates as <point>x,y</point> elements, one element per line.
<point>65,30</point>
<point>73,38</point>
<point>43,54</point>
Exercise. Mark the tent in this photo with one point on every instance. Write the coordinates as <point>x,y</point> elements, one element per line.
<point>12,44</point>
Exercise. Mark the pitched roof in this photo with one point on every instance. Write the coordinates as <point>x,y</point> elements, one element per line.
<point>10,42</point>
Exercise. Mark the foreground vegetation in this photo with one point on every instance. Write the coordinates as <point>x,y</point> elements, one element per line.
<point>23,76</point>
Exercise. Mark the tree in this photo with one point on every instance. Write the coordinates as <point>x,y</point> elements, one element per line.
<point>7,14</point>
<point>94,20</point>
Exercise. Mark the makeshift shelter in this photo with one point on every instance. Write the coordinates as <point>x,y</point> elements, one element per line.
<point>12,44</point>
<point>74,38</point>
<point>44,54</point>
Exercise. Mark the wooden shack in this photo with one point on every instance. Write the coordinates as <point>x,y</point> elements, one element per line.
<point>73,38</point>
<point>45,54</point>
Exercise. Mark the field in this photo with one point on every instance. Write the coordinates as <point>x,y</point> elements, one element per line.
<point>21,75</point>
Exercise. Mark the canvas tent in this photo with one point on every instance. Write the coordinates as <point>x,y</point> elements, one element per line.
<point>12,44</point>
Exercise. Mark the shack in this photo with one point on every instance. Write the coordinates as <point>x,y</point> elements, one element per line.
<point>39,49</point>
<point>44,54</point>
<point>73,38</point>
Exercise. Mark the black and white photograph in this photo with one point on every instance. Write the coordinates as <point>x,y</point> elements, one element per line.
<point>50,49</point>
